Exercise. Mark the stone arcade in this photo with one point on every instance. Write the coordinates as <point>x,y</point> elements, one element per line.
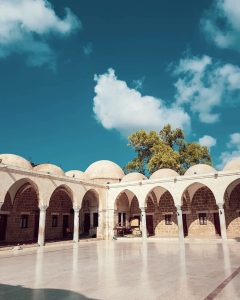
<point>42,203</point>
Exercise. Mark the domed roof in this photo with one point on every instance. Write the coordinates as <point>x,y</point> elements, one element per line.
<point>164,173</point>
<point>15,161</point>
<point>134,176</point>
<point>50,169</point>
<point>232,165</point>
<point>77,174</point>
<point>104,169</point>
<point>200,169</point>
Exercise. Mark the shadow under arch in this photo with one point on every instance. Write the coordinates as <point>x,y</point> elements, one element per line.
<point>89,214</point>
<point>161,212</point>
<point>60,214</point>
<point>200,211</point>
<point>19,217</point>
<point>127,211</point>
<point>232,209</point>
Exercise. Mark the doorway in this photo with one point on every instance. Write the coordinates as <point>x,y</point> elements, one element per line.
<point>65,225</point>
<point>217,223</point>
<point>185,226</point>
<point>149,221</point>
<point>3,227</point>
<point>86,223</point>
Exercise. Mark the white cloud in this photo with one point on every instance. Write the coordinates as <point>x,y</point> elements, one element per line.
<point>207,141</point>
<point>221,23</point>
<point>204,85</point>
<point>233,151</point>
<point>138,83</point>
<point>25,26</point>
<point>116,106</point>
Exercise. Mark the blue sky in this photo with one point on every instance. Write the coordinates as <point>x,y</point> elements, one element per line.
<point>76,77</point>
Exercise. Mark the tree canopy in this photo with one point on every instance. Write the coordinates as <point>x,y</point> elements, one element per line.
<point>165,149</point>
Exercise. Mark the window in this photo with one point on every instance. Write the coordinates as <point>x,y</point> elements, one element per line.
<point>54,221</point>
<point>168,219</point>
<point>95,219</point>
<point>202,218</point>
<point>24,221</point>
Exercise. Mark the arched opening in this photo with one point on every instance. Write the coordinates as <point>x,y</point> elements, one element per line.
<point>60,215</point>
<point>161,217</point>
<point>200,212</point>
<point>19,215</point>
<point>232,209</point>
<point>89,215</point>
<point>127,217</point>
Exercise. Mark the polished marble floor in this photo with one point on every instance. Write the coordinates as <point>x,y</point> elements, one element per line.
<point>122,270</point>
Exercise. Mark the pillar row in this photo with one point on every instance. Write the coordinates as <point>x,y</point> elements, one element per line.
<point>180,223</point>
<point>222,221</point>
<point>76,209</point>
<point>42,225</point>
<point>143,222</point>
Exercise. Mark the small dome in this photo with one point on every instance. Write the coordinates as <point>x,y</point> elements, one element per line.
<point>77,174</point>
<point>104,169</point>
<point>200,169</point>
<point>15,161</point>
<point>164,173</point>
<point>50,169</point>
<point>135,176</point>
<point>232,165</point>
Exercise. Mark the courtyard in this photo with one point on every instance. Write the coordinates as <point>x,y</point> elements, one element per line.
<point>123,269</point>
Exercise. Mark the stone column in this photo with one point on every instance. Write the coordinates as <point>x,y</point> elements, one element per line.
<point>76,223</point>
<point>180,223</point>
<point>144,222</point>
<point>222,221</point>
<point>42,224</point>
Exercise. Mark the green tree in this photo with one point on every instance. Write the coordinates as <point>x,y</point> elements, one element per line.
<point>166,149</point>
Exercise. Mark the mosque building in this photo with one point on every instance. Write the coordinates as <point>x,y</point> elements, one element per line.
<point>42,203</point>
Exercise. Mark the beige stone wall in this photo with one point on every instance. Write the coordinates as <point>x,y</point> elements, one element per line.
<point>202,201</point>
<point>232,212</point>
<point>25,202</point>
<point>60,204</point>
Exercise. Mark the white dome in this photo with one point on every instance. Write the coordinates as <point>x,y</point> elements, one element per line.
<point>232,165</point>
<point>15,161</point>
<point>77,174</point>
<point>200,169</point>
<point>50,169</point>
<point>164,173</point>
<point>134,176</point>
<point>104,169</point>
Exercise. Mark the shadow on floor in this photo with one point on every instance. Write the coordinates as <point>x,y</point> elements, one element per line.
<point>10,292</point>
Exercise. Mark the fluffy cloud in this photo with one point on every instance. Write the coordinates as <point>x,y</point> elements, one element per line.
<point>233,150</point>
<point>204,85</point>
<point>207,141</point>
<point>25,26</point>
<point>221,23</point>
<point>116,106</point>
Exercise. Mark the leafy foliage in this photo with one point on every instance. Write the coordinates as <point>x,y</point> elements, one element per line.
<point>166,149</point>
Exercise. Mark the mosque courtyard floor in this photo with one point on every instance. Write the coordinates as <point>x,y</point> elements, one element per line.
<point>122,270</point>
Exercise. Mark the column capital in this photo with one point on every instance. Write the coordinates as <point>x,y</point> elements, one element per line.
<point>143,209</point>
<point>43,207</point>
<point>178,207</point>
<point>220,205</point>
<point>76,208</point>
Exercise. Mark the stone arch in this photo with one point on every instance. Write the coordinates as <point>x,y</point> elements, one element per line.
<point>161,212</point>
<point>232,209</point>
<point>20,213</point>
<point>89,214</point>
<point>60,214</point>
<point>200,211</point>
